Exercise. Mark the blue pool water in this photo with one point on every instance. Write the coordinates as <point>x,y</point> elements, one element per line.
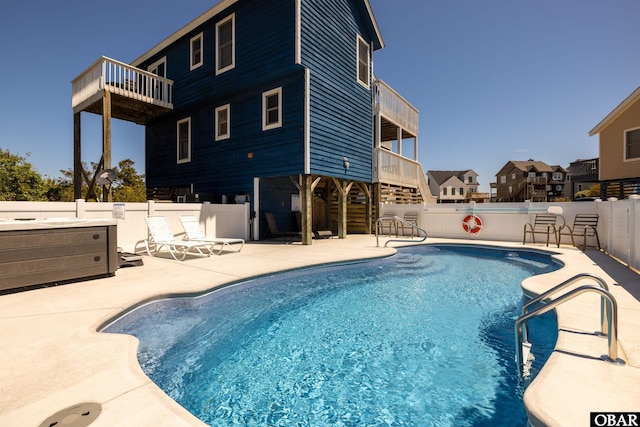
<point>424,338</point>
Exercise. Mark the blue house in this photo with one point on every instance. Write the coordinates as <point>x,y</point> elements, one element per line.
<point>272,103</point>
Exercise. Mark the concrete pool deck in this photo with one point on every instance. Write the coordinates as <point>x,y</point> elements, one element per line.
<point>53,358</point>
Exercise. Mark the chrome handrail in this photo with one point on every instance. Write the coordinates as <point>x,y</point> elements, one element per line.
<point>398,219</point>
<point>612,322</point>
<point>539,299</point>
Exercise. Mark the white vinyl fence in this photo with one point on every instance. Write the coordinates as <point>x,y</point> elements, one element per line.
<point>618,225</point>
<point>229,220</point>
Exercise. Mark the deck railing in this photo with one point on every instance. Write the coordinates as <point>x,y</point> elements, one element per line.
<point>395,108</point>
<point>392,168</point>
<point>122,79</point>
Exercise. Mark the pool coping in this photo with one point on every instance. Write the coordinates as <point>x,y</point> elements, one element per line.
<point>53,357</point>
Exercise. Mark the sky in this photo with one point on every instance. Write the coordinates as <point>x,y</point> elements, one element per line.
<point>493,80</point>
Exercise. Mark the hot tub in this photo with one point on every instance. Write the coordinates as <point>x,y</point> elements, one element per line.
<point>55,250</point>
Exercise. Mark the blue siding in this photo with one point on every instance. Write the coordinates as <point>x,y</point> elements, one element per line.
<point>264,61</point>
<point>224,167</point>
<point>341,109</point>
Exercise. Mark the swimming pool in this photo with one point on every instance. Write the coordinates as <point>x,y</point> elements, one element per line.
<point>422,338</point>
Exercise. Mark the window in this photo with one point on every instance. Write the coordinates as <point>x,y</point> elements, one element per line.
<point>503,179</point>
<point>513,176</point>
<point>532,175</point>
<point>222,118</point>
<point>272,109</point>
<point>196,51</point>
<point>225,45</point>
<point>461,191</point>
<point>444,191</point>
<point>470,180</point>
<point>184,140</point>
<point>557,176</point>
<point>363,62</point>
<point>159,68</point>
<point>632,144</point>
<point>453,191</point>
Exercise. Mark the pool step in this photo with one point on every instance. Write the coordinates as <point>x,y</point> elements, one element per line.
<point>528,358</point>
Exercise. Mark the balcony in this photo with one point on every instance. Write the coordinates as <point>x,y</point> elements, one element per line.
<point>475,196</point>
<point>394,169</point>
<point>136,95</point>
<point>395,112</point>
<point>584,170</point>
<point>539,180</point>
<point>397,124</point>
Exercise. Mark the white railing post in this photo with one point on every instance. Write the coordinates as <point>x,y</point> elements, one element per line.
<point>80,208</point>
<point>634,231</point>
<point>610,248</point>
<point>151,207</point>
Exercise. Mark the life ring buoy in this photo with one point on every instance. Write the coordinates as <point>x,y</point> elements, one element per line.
<point>472,224</point>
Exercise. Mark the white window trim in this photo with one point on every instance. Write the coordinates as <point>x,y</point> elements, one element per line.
<point>358,40</point>
<point>265,95</point>
<point>221,137</point>
<point>193,66</point>
<point>219,70</point>
<point>188,158</point>
<point>156,64</point>
<point>624,147</point>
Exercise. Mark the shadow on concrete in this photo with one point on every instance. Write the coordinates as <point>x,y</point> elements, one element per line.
<point>622,274</point>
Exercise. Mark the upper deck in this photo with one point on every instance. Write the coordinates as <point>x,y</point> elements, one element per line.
<point>136,95</point>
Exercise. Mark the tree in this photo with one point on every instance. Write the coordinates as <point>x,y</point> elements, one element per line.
<point>129,186</point>
<point>60,190</point>
<point>66,183</point>
<point>592,192</point>
<point>18,179</point>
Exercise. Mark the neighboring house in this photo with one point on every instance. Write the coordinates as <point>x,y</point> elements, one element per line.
<point>581,175</point>
<point>455,186</point>
<point>273,103</point>
<point>532,180</point>
<point>620,149</point>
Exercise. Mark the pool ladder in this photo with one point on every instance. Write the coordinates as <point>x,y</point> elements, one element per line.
<point>397,219</point>
<point>608,316</point>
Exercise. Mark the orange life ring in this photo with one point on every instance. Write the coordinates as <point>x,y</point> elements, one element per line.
<point>472,224</point>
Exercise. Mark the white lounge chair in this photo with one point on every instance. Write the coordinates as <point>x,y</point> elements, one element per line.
<point>162,236</point>
<point>195,233</point>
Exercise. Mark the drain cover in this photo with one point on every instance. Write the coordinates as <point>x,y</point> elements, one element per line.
<point>80,415</point>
